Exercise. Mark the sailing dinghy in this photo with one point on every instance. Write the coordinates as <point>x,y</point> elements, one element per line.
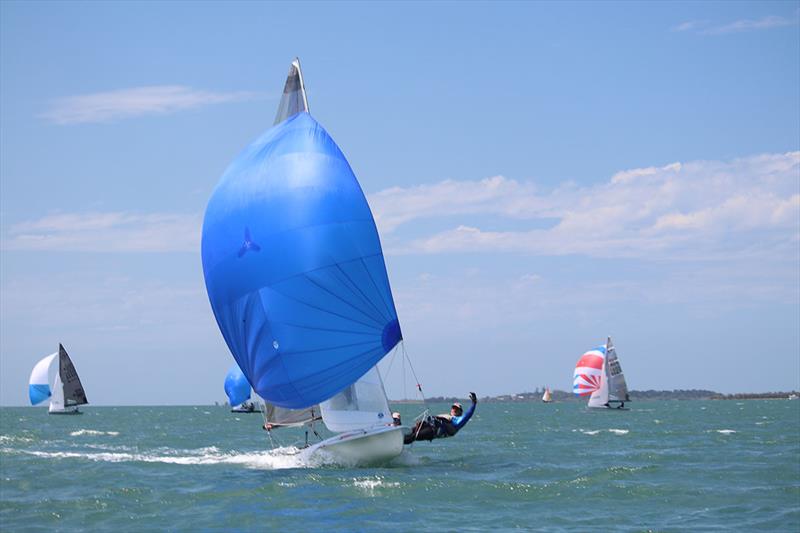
<point>547,397</point>
<point>599,374</point>
<point>237,388</point>
<point>296,279</point>
<point>64,388</point>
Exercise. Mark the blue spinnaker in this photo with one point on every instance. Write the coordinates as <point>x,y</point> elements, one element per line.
<point>236,386</point>
<point>294,268</point>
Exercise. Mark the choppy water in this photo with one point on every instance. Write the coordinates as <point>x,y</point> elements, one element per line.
<point>668,466</point>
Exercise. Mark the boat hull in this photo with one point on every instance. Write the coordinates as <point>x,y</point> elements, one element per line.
<point>359,448</point>
<point>66,412</point>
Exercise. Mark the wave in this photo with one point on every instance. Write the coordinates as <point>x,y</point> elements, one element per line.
<point>370,484</point>
<point>597,431</point>
<point>8,439</point>
<point>277,459</point>
<point>726,431</point>
<point>93,432</point>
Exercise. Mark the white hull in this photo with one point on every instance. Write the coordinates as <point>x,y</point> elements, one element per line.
<point>362,447</point>
<point>70,411</point>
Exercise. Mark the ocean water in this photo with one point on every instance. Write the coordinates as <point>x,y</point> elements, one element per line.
<point>662,466</point>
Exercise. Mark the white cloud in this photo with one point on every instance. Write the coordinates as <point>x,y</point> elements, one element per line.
<point>126,103</point>
<point>688,25</point>
<point>765,23</point>
<point>681,210</point>
<point>107,232</point>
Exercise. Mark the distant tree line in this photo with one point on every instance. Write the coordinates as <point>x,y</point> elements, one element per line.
<point>675,394</point>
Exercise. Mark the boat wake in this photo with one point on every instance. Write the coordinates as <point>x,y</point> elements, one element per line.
<point>277,459</point>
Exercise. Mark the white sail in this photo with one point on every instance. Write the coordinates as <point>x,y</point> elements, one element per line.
<point>39,383</point>
<point>281,417</point>
<point>362,405</point>
<point>599,398</point>
<point>547,396</point>
<point>57,399</point>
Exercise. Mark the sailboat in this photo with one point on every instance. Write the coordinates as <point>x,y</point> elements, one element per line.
<point>64,389</point>
<point>599,374</point>
<point>296,279</point>
<point>547,397</point>
<point>237,388</point>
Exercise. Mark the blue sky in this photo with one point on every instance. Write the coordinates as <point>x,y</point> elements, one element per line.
<point>542,175</point>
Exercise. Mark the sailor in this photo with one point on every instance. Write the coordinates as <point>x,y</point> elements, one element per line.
<point>396,419</point>
<point>441,426</point>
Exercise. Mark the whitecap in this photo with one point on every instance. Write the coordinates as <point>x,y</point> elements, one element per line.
<point>595,432</point>
<point>93,432</point>
<point>726,431</point>
<point>12,438</point>
<point>370,484</point>
<point>619,431</point>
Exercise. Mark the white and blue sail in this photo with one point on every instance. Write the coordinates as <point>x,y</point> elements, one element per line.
<point>294,268</point>
<point>39,382</point>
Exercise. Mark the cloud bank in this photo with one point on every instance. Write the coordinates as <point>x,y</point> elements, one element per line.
<point>107,232</point>
<point>743,208</point>
<point>694,210</point>
<point>126,103</point>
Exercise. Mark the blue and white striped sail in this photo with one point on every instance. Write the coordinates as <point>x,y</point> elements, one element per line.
<point>237,388</point>
<point>39,382</point>
<point>293,264</point>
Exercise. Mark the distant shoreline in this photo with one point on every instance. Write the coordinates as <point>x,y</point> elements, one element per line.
<point>678,394</point>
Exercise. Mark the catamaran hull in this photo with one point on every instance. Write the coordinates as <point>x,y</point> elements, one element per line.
<point>69,412</point>
<point>362,447</point>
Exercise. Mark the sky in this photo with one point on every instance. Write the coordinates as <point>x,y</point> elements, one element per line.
<point>542,175</point>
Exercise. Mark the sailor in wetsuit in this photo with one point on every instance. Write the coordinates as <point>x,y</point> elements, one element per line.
<point>440,426</point>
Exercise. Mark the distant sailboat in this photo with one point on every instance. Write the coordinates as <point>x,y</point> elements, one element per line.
<point>599,373</point>
<point>297,281</point>
<point>64,389</point>
<point>547,397</point>
<point>237,388</point>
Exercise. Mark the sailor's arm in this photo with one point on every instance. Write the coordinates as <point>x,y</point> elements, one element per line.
<point>459,421</point>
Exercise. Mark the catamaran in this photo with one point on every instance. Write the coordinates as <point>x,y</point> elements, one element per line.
<point>599,374</point>
<point>61,384</point>
<point>296,279</point>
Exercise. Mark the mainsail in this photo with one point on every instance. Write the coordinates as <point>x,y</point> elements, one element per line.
<point>294,98</point>
<point>617,388</point>
<point>72,388</point>
<point>293,264</point>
